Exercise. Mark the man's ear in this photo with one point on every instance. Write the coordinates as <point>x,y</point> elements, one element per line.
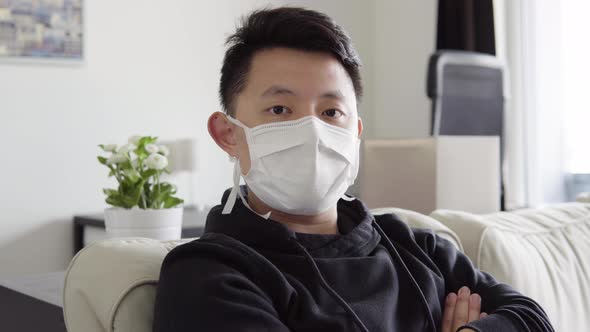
<point>223,133</point>
<point>360,126</point>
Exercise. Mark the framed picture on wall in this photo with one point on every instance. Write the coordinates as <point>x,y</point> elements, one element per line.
<point>41,30</point>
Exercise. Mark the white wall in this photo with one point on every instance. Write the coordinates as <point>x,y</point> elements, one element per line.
<point>151,68</point>
<point>405,39</point>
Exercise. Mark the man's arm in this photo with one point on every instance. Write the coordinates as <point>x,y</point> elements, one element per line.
<point>204,294</point>
<point>508,310</point>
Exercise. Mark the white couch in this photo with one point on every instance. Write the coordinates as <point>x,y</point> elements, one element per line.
<point>111,285</point>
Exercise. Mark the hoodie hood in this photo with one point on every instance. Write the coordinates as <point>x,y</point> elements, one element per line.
<point>358,236</point>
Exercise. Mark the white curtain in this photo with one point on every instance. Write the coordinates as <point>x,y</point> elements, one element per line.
<point>576,74</point>
<point>529,37</point>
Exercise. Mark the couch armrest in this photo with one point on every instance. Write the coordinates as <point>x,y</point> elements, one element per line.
<point>107,278</point>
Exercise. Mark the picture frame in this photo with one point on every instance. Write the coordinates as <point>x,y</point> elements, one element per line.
<point>42,31</point>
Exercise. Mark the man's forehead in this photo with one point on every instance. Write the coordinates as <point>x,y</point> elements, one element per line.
<point>276,89</point>
<point>286,64</point>
<point>291,73</point>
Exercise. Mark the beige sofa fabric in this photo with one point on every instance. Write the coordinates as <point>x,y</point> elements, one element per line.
<point>583,197</point>
<point>111,285</point>
<point>544,253</point>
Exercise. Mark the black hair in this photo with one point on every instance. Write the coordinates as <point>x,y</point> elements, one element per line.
<point>290,27</point>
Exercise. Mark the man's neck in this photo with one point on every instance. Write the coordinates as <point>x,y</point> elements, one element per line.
<point>323,223</point>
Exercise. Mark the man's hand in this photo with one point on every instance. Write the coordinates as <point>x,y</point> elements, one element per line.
<point>461,309</point>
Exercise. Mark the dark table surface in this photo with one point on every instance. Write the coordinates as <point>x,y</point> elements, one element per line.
<point>24,313</point>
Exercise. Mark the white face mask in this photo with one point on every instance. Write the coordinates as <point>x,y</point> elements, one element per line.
<point>299,167</point>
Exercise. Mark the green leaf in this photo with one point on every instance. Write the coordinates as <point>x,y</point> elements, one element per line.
<point>166,185</point>
<point>116,200</point>
<point>147,194</point>
<point>112,202</point>
<point>137,191</point>
<point>110,192</point>
<point>132,174</point>
<point>125,187</point>
<point>161,194</point>
<point>101,146</point>
<point>169,187</point>
<point>125,165</point>
<point>148,173</point>
<point>140,150</point>
<point>172,201</point>
<point>102,160</point>
<point>147,140</point>
<point>121,200</point>
<point>141,153</point>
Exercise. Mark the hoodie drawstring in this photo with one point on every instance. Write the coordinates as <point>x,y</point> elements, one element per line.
<point>414,282</point>
<point>329,289</point>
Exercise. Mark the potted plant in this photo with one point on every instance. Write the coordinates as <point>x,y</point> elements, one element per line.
<point>142,205</point>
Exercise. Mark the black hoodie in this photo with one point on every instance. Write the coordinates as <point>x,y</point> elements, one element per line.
<point>247,273</point>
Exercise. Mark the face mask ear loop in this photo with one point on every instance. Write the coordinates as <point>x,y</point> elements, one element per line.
<point>233,195</point>
<point>236,191</point>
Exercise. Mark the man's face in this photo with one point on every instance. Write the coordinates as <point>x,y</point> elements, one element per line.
<point>285,84</point>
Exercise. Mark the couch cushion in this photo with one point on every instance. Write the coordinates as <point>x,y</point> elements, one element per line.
<point>543,253</point>
<point>110,285</point>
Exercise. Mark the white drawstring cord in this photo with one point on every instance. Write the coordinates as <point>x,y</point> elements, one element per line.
<point>237,192</point>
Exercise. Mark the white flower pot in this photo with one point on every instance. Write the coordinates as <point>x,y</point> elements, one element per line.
<point>159,224</point>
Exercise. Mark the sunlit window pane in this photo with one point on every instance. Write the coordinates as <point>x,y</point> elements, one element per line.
<point>576,84</point>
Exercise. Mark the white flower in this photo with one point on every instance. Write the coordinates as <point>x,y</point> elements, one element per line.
<point>156,161</point>
<point>151,148</point>
<point>116,158</point>
<point>134,163</point>
<point>126,148</point>
<point>163,149</point>
<point>134,139</point>
<point>110,147</point>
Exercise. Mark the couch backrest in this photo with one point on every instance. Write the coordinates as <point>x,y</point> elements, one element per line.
<point>111,285</point>
<point>543,253</point>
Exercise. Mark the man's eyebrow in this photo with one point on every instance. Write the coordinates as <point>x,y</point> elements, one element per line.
<point>278,90</point>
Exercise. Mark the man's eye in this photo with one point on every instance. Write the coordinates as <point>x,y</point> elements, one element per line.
<point>278,110</point>
<point>333,113</point>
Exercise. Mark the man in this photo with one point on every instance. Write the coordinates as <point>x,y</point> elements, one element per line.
<point>290,251</point>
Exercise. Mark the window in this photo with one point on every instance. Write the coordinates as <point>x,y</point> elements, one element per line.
<point>576,87</point>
